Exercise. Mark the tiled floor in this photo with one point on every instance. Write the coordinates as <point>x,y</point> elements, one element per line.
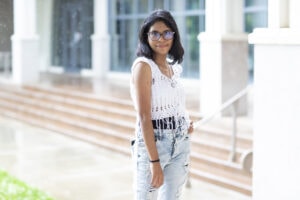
<point>69,169</point>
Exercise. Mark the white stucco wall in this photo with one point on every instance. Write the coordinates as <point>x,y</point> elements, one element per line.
<point>276,116</point>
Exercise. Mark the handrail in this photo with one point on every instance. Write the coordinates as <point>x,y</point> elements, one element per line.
<point>247,156</point>
<point>232,101</point>
<point>222,107</point>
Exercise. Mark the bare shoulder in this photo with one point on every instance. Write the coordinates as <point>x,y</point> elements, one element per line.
<point>141,70</point>
<point>141,66</point>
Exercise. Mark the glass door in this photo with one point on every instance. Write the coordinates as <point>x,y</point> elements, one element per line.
<point>73,26</point>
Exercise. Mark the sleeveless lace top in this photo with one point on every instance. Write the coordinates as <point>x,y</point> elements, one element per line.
<point>167,95</point>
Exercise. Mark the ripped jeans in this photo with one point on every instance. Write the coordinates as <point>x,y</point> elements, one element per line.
<point>173,147</point>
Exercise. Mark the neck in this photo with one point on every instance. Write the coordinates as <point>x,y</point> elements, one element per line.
<point>160,60</point>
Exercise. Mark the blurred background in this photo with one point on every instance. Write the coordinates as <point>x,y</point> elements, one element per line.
<point>68,31</point>
<point>65,67</point>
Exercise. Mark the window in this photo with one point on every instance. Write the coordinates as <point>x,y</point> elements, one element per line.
<point>72,28</point>
<point>255,16</point>
<point>126,17</point>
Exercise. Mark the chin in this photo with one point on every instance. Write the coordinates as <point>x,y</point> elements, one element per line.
<point>163,51</point>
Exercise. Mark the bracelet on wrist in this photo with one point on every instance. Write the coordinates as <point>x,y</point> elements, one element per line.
<point>154,161</point>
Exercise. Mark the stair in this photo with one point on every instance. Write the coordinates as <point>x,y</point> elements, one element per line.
<point>109,122</point>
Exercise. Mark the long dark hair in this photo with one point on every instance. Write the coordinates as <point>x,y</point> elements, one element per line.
<point>176,52</point>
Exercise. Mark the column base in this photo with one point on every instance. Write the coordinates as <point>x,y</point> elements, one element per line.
<point>224,71</point>
<point>25,59</point>
<point>100,55</point>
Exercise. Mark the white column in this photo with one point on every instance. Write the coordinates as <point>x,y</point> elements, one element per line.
<point>224,16</point>
<point>276,115</point>
<point>224,54</point>
<point>278,14</point>
<point>294,14</point>
<point>100,40</point>
<point>44,28</point>
<point>25,42</point>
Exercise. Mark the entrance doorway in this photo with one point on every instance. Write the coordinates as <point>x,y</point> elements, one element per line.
<point>72,30</point>
<point>6,31</point>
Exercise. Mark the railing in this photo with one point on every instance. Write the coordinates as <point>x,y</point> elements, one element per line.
<point>233,101</point>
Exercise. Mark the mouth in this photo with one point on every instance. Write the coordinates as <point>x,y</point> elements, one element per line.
<point>162,46</point>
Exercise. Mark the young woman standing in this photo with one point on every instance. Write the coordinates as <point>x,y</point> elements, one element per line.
<point>162,146</point>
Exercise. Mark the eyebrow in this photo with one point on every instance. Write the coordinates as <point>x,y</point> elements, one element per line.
<point>160,32</point>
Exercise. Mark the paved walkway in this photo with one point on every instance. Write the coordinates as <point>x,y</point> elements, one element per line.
<point>69,169</point>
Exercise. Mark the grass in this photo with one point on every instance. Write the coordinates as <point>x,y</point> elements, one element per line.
<point>13,189</point>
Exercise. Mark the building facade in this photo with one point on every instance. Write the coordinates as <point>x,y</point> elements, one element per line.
<point>70,32</point>
<point>98,38</point>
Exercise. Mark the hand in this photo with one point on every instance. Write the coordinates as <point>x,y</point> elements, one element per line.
<point>157,175</point>
<point>191,128</point>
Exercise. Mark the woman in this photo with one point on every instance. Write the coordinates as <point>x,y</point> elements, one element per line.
<point>162,146</point>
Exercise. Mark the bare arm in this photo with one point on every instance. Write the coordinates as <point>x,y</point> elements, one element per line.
<point>142,80</point>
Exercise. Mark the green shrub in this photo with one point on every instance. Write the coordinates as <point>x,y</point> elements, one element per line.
<point>13,189</point>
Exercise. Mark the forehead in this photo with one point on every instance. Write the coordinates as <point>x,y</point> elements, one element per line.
<point>159,26</point>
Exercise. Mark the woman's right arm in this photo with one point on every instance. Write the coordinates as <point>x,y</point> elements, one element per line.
<point>142,80</point>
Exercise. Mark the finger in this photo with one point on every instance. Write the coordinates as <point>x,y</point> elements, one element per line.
<point>155,182</point>
<point>161,181</point>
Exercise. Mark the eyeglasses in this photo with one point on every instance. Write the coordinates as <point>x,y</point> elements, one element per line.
<point>167,35</point>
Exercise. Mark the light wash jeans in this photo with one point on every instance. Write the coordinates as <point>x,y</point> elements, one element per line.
<point>174,149</point>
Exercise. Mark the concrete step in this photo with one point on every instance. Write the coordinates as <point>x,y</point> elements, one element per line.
<point>68,104</point>
<point>224,136</point>
<point>87,97</point>
<point>220,181</point>
<point>123,105</point>
<point>110,124</point>
<point>93,134</point>
<point>221,168</point>
<point>63,113</point>
<point>213,149</point>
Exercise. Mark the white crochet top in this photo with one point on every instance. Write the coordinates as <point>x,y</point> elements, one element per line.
<point>167,95</point>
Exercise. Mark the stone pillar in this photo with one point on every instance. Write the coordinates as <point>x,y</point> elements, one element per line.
<point>278,15</point>
<point>44,28</point>
<point>276,113</point>
<point>100,40</point>
<point>224,55</point>
<point>25,42</point>
<point>294,14</point>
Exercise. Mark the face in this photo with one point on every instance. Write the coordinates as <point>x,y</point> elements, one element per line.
<point>164,43</point>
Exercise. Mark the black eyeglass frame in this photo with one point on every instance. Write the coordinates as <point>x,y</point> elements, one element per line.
<point>163,34</point>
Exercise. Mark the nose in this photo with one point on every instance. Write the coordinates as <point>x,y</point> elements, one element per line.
<point>161,37</point>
